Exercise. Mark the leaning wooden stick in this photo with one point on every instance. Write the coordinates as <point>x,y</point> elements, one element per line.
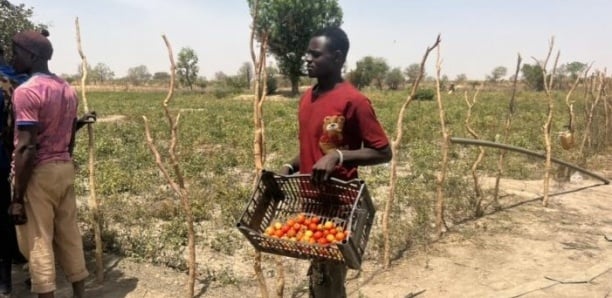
<point>395,143</point>
<point>177,186</point>
<point>92,201</point>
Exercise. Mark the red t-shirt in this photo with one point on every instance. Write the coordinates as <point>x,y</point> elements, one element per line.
<point>320,117</point>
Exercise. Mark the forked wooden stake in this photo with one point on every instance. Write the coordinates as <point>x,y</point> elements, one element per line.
<point>93,203</point>
<point>395,143</point>
<point>600,77</point>
<point>546,128</point>
<point>259,156</point>
<point>441,177</point>
<point>177,186</point>
<point>478,211</point>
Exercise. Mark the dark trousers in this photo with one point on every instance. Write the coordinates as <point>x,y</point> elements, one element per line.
<point>326,280</point>
<point>8,248</point>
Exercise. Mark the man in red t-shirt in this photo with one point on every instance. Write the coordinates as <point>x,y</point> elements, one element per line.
<point>338,131</point>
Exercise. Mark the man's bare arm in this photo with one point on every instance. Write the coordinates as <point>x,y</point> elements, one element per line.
<point>25,156</point>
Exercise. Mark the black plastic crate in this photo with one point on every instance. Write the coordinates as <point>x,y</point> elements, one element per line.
<point>276,198</point>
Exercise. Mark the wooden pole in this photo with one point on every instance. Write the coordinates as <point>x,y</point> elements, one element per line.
<point>477,189</point>
<point>177,186</point>
<point>528,152</point>
<point>395,144</point>
<point>260,90</point>
<point>546,128</point>
<point>93,202</point>
<point>441,176</point>
<point>506,133</point>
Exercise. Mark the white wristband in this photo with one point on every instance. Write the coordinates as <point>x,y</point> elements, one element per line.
<point>340,157</point>
<point>289,166</point>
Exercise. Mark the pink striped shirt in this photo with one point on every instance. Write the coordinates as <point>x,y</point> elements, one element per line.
<point>50,103</point>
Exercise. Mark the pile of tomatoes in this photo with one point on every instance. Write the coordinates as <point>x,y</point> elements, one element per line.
<point>307,229</point>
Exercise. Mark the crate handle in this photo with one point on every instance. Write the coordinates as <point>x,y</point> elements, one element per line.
<point>271,186</point>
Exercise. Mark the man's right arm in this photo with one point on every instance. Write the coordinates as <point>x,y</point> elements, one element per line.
<point>25,155</point>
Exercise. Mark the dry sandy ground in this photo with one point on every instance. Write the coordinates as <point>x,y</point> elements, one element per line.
<point>524,250</point>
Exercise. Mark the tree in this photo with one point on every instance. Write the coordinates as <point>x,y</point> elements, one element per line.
<point>369,69</point>
<point>138,75</point>
<point>13,19</point>
<point>394,78</point>
<point>201,82</point>
<point>161,76</point>
<point>461,78</point>
<point>533,76</point>
<point>80,70</point>
<point>289,25</point>
<point>246,73</point>
<point>412,72</point>
<point>357,78</point>
<point>575,68</point>
<point>101,73</point>
<point>497,74</point>
<point>187,67</point>
<point>220,76</point>
<point>271,80</point>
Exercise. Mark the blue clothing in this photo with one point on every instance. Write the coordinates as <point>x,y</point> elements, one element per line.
<point>7,73</point>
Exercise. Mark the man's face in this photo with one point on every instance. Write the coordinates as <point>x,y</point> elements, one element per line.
<point>320,61</point>
<point>22,59</point>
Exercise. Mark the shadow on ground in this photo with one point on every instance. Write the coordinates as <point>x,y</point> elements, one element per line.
<point>115,285</point>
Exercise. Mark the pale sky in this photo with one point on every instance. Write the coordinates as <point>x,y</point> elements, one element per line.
<point>477,35</point>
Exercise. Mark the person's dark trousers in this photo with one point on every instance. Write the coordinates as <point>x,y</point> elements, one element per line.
<point>7,234</point>
<point>326,280</point>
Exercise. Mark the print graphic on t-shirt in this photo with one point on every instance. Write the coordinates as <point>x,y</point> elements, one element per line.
<point>332,133</point>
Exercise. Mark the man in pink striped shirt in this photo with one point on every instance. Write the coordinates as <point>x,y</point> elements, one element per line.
<point>44,203</point>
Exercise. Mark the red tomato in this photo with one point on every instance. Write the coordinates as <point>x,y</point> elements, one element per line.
<point>340,236</point>
<point>300,218</point>
<point>312,226</point>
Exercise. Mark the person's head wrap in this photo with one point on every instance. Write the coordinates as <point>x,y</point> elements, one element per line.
<point>35,42</point>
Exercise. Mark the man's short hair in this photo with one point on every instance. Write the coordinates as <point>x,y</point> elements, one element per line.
<point>338,41</point>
